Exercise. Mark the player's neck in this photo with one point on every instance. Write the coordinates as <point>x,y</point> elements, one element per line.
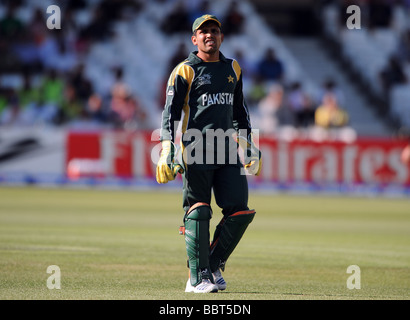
<point>208,57</point>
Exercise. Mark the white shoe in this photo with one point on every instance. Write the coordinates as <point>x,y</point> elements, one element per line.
<point>219,280</point>
<point>206,286</point>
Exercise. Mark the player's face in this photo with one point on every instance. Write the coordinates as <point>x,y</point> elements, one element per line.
<point>208,38</point>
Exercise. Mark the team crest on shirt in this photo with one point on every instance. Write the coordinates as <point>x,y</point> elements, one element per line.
<point>204,79</point>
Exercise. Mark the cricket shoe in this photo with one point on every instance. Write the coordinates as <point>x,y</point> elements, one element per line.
<point>206,286</point>
<point>219,280</point>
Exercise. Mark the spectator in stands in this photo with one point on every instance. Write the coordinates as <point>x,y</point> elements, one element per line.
<point>111,10</point>
<point>120,109</point>
<point>82,85</point>
<point>71,29</point>
<point>97,30</point>
<point>47,49</point>
<point>393,74</point>
<point>270,68</point>
<point>329,114</point>
<point>234,20</point>
<point>301,105</point>
<point>139,118</point>
<point>28,46</point>
<point>51,97</point>
<point>177,20</point>
<point>119,87</point>
<point>11,31</point>
<point>330,87</point>
<point>37,28</point>
<point>104,15</point>
<point>95,110</point>
<point>63,59</point>
<point>125,109</point>
<point>126,112</point>
<point>71,107</point>
<point>26,50</point>
<point>256,92</point>
<point>57,53</point>
<point>28,98</point>
<point>197,9</point>
<point>3,100</point>
<point>332,122</point>
<point>268,107</point>
<point>11,27</point>
<point>10,109</point>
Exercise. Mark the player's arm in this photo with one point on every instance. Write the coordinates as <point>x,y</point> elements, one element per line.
<point>241,120</point>
<point>242,124</point>
<point>175,97</point>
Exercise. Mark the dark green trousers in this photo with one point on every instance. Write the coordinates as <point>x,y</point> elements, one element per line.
<point>230,188</point>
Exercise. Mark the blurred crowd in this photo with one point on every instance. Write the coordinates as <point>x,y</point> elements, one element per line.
<point>386,14</point>
<point>287,110</point>
<point>378,54</point>
<point>55,89</point>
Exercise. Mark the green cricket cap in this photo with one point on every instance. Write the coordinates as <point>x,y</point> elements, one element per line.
<point>202,19</point>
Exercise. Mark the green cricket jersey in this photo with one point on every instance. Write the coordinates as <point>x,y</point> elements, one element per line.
<point>206,96</point>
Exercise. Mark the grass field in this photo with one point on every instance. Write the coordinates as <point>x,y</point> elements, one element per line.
<point>125,245</point>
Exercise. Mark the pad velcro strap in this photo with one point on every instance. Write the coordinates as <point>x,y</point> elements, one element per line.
<point>196,205</point>
<point>243,212</point>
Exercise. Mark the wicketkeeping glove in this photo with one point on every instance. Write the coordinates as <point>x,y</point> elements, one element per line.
<point>167,168</point>
<point>253,156</point>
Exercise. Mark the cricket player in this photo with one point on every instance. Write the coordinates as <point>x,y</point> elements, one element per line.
<point>205,93</point>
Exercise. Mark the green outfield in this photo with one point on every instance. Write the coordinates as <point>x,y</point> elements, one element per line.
<point>125,245</point>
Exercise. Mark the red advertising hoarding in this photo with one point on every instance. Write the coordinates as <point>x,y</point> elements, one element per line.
<point>130,155</point>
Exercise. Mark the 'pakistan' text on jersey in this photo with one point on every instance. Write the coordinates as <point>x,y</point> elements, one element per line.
<point>209,96</point>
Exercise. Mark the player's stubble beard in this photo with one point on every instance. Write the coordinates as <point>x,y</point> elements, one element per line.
<point>212,51</point>
<point>212,48</point>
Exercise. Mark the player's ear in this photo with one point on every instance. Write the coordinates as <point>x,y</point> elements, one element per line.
<point>194,39</point>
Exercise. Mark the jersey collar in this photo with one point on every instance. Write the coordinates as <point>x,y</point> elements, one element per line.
<point>194,59</point>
